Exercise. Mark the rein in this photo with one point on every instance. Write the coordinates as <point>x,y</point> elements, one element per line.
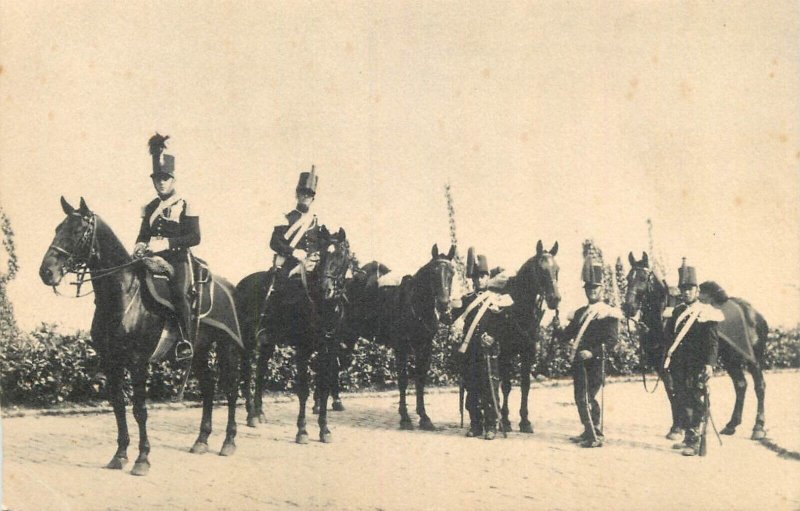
<point>642,353</point>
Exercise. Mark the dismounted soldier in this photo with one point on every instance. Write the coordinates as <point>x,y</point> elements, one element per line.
<point>480,350</point>
<point>592,329</point>
<point>690,359</point>
<point>296,242</point>
<point>170,226</point>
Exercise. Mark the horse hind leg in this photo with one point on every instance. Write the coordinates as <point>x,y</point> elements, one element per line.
<point>301,383</point>
<point>266,351</point>
<point>142,465</point>
<point>740,387</point>
<point>525,425</point>
<point>117,398</point>
<point>401,360</point>
<point>759,432</point>
<point>323,386</point>
<point>422,365</point>
<point>505,378</point>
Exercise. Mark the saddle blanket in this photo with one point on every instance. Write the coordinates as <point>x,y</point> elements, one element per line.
<point>736,330</point>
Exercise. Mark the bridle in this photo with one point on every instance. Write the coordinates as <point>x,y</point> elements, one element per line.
<point>644,306</point>
<point>437,266</point>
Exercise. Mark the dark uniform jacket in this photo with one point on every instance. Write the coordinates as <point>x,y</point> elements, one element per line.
<point>489,323</point>
<point>172,219</point>
<point>603,329</point>
<point>699,346</point>
<point>310,241</point>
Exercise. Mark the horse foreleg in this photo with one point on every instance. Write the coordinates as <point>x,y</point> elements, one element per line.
<point>265,354</point>
<point>247,374</point>
<point>206,380</point>
<point>526,363</point>
<point>505,378</point>
<point>116,397</point>
<point>301,383</point>
<point>740,387</point>
<point>142,464</point>
<point>230,378</point>
<point>337,405</point>
<point>423,363</point>
<point>401,361</point>
<point>760,387</point>
<point>324,382</point>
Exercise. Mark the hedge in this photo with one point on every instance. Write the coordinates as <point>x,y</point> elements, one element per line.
<point>46,367</point>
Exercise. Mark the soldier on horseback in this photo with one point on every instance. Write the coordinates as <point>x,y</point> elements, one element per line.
<point>592,328</point>
<point>692,353</point>
<point>170,226</point>
<point>296,242</point>
<point>479,348</point>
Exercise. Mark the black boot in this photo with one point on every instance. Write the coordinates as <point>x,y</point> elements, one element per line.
<point>185,346</point>
<point>475,430</point>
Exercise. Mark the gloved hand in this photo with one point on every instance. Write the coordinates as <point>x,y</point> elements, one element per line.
<point>707,373</point>
<point>584,355</point>
<point>456,303</point>
<point>139,249</point>
<point>486,340</point>
<point>158,245</point>
<point>311,261</point>
<point>299,254</point>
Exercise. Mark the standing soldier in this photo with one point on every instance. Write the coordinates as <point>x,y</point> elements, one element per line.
<point>170,226</point>
<point>692,354</point>
<point>592,328</point>
<point>480,350</point>
<point>296,243</point>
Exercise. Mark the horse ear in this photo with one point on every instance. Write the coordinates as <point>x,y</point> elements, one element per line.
<point>452,252</point>
<point>645,259</point>
<point>539,247</point>
<point>83,209</point>
<point>435,251</point>
<point>554,250</point>
<point>342,234</point>
<point>66,207</point>
<point>631,259</point>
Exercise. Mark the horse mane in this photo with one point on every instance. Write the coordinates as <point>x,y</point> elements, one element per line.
<point>519,284</point>
<point>109,241</point>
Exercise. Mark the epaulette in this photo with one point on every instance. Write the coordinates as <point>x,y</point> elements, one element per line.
<point>709,314</point>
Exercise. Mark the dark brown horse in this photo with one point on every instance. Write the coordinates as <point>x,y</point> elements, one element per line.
<point>534,284</point>
<point>648,294</point>
<point>403,317</point>
<point>309,324</point>
<point>126,328</point>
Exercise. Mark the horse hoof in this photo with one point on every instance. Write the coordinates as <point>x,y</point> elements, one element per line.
<point>140,468</point>
<point>407,425</point>
<point>117,463</point>
<point>228,448</point>
<point>315,409</point>
<point>199,448</point>
<point>325,437</point>
<point>525,427</point>
<point>301,438</point>
<point>505,427</point>
<point>338,406</point>
<point>728,430</point>
<point>262,418</point>
<point>251,422</point>
<point>426,425</point>
<point>758,434</point>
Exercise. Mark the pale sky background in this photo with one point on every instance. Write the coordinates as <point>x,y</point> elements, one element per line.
<point>554,121</point>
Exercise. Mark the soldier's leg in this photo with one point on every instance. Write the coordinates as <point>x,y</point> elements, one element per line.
<point>595,377</point>
<point>472,385</point>
<point>179,289</point>
<point>695,411</point>
<point>580,387</point>
<point>489,387</point>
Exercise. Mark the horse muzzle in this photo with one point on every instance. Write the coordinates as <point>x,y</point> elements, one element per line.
<point>51,271</point>
<point>553,301</point>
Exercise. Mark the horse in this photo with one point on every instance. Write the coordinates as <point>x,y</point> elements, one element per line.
<point>518,325</point>
<point>648,293</point>
<point>127,325</point>
<point>403,317</point>
<point>309,325</point>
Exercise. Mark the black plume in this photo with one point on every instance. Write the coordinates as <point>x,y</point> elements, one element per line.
<point>157,144</point>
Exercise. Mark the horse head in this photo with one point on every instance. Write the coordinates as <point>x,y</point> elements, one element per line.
<point>441,277</point>
<point>334,261</point>
<point>539,276</point>
<point>640,283</point>
<point>73,245</point>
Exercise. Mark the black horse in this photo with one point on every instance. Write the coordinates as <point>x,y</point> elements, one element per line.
<point>127,326</point>
<point>535,282</point>
<point>309,325</point>
<point>650,295</point>
<point>403,317</point>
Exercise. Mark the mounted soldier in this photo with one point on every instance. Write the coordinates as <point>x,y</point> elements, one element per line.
<point>296,241</point>
<point>592,329</point>
<point>479,347</point>
<point>690,359</point>
<point>170,226</point>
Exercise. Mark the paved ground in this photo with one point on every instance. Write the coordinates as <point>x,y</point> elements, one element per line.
<point>55,462</point>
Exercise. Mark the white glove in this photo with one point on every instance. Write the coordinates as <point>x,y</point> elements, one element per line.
<point>139,248</point>
<point>585,354</point>
<point>456,304</point>
<point>311,262</point>
<point>158,245</point>
<point>299,254</point>
<point>487,340</point>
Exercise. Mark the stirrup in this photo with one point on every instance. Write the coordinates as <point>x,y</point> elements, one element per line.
<point>181,347</point>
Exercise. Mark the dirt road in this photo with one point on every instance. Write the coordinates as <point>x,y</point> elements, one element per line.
<point>55,462</point>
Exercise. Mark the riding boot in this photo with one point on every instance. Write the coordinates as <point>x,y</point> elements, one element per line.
<point>185,347</point>
<point>475,430</point>
<point>692,447</point>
